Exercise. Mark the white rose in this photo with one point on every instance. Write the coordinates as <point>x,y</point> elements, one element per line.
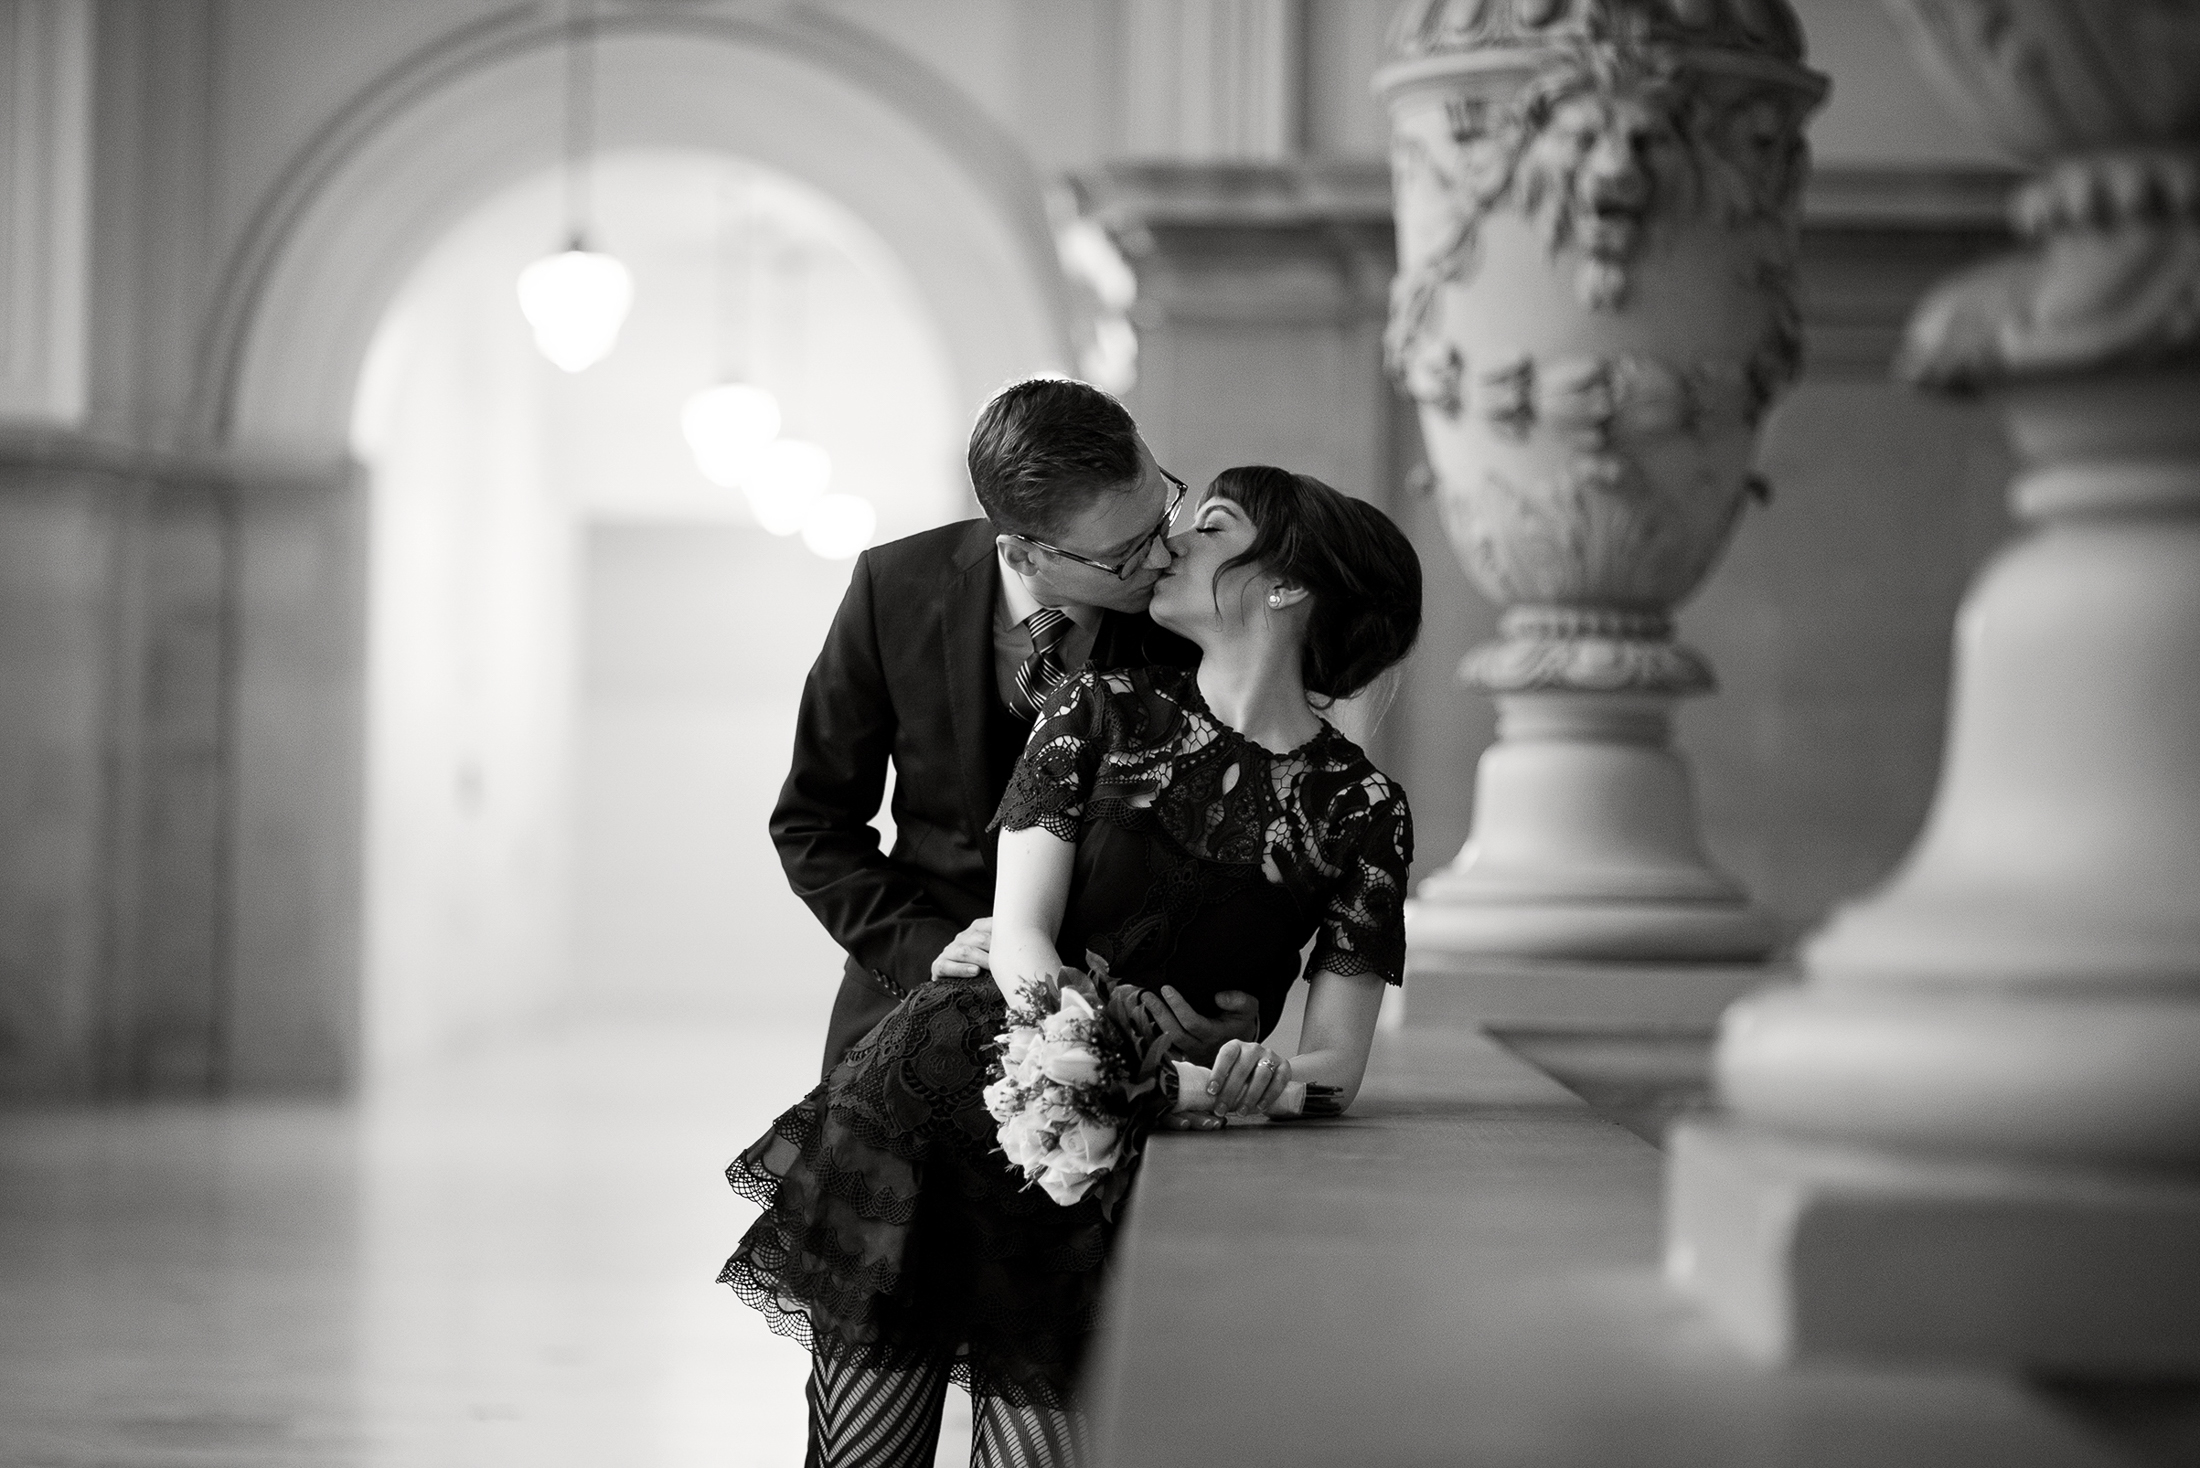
<point>1068,1062</point>
<point>1016,1045</point>
<point>1066,1184</point>
<point>1026,1141</point>
<point>1056,1108</point>
<point>1076,1010</point>
<point>1000,1098</point>
<point>1091,1146</point>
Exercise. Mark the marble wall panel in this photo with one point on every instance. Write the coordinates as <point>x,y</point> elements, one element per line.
<point>57,550</point>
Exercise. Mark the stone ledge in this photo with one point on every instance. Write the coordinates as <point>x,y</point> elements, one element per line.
<point>1464,1270</point>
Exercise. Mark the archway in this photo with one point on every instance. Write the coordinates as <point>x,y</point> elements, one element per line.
<point>801,94</point>
<point>584,657</point>
<point>809,97</point>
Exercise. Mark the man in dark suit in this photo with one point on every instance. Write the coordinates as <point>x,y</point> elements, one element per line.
<point>944,646</point>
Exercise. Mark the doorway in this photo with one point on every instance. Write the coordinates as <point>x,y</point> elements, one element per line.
<point>584,655</point>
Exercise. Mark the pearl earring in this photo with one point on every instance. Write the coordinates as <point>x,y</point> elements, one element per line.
<point>1275,598</point>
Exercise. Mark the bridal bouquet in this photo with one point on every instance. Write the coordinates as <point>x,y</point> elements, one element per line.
<point>1084,1075</point>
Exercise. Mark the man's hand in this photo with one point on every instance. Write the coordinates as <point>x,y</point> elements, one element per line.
<point>1194,1036</point>
<point>970,953</point>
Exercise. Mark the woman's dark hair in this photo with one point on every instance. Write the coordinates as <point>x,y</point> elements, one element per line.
<point>1045,448</point>
<point>1357,566</point>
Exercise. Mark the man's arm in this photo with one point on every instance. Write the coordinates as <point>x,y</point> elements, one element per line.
<point>844,737</point>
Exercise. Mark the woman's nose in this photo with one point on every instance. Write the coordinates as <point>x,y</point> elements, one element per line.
<point>1163,552</point>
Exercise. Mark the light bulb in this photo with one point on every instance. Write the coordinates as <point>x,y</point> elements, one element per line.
<point>784,479</point>
<point>726,426</point>
<point>576,301</point>
<point>839,526</point>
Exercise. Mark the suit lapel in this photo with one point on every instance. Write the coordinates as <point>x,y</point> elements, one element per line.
<point>966,635</point>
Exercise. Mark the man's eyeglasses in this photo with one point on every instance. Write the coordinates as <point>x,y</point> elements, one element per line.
<point>1122,569</point>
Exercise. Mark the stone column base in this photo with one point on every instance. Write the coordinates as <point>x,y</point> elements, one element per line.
<point>1803,1249</point>
<point>1585,845</point>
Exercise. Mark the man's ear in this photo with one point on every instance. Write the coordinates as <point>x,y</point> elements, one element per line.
<point>1018,554</point>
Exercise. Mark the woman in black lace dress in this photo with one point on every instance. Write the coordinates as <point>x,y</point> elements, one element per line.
<point>1194,830</point>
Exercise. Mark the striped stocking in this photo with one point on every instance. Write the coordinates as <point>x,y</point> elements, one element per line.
<point>1025,1437</point>
<point>862,1417</point>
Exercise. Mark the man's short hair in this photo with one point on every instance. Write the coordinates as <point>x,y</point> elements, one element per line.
<point>1047,447</point>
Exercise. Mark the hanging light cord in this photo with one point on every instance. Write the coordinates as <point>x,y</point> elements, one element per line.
<point>580,89</point>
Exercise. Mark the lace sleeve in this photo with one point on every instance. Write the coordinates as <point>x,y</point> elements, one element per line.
<point>1364,929</point>
<point>1054,776</point>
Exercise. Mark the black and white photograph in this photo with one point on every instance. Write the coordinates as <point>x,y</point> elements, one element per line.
<point>1099,733</point>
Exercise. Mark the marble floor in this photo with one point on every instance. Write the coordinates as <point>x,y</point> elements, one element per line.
<point>506,1260</point>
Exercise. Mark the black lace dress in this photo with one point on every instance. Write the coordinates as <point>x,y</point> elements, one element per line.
<point>893,1229</point>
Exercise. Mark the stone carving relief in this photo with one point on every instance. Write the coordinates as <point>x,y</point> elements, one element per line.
<point>2046,77</point>
<point>2115,282</point>
<point>1597,217</point>
<point>1426,28</point>
<point>2102,95</point>
<point>1606,141</point>
<point>1592,651</point>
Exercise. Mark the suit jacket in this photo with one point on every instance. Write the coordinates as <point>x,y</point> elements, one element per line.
<point>906,675</point>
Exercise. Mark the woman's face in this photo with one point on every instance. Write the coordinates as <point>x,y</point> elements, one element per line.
<point>1209,531</point>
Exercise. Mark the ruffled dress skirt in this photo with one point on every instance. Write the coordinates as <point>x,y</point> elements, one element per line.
<point>894,1232</point>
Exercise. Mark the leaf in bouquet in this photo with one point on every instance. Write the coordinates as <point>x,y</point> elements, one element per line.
<point>1040,997</point>
<point>1082,982</point>
<point>1127,1011</point>
<point>1115,1187</point>
<point>1155,1062</point>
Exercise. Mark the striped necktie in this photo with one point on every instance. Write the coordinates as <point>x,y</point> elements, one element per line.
<point>1042,672</point>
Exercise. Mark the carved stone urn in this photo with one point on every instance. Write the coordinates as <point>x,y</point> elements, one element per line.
<point>1974,1130</point>
<point>1597,210</point>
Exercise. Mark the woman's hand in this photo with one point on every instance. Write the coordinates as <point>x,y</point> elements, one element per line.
<point>1249,1078</point>
<point>970,953</point>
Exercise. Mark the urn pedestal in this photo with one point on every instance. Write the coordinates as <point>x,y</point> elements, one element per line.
<point>1974,1130</point>
<point>1597,217</point>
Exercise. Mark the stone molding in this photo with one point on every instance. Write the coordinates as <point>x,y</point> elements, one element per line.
<point>1178,225</point>
<point>1873,239</point>
<point>28,449</point>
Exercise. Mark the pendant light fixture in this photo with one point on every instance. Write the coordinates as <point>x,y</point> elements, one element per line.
<point>788,476</point>
<point>728,423</point>
<point>839,526</point>
<point>577,298</point>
